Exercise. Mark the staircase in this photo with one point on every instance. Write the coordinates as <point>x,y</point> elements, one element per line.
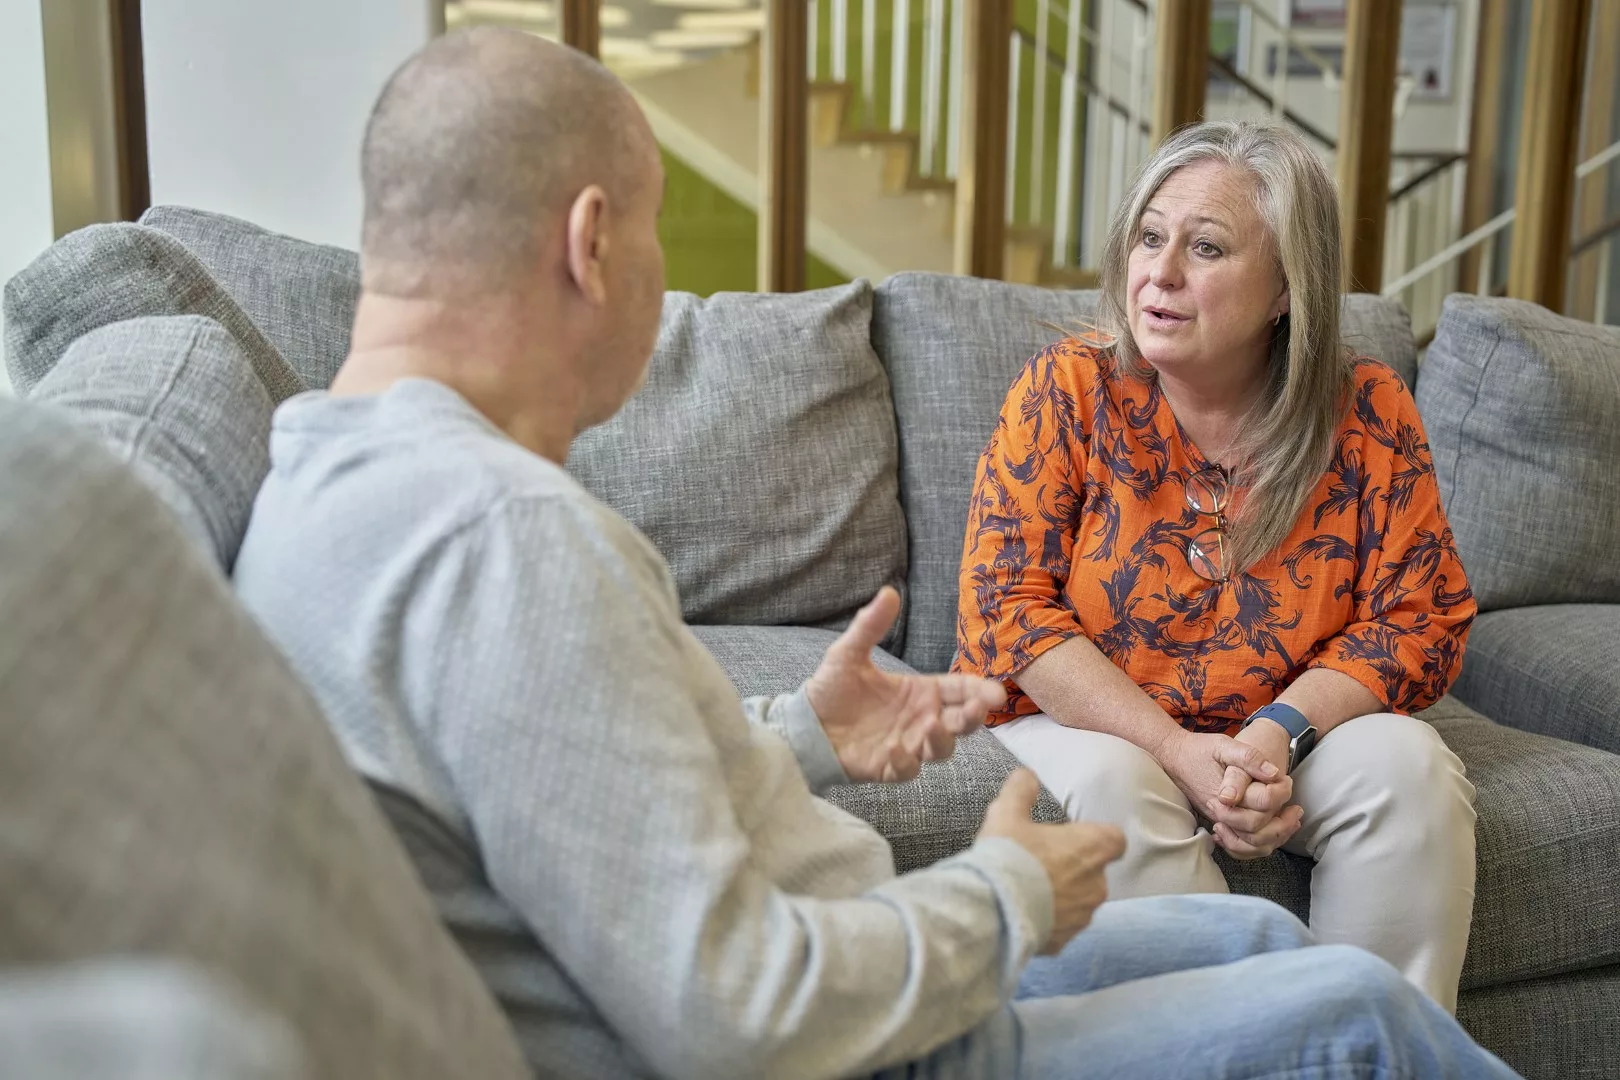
<point>872,211</point>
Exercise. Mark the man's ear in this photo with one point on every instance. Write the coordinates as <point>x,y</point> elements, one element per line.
<point>588,242</point>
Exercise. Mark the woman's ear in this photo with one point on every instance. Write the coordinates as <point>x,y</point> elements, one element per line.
<point>1280,308</point>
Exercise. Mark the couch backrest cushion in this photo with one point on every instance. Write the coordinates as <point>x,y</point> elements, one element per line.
<point>168,788</point>
<point>1372,325</point>
<point>1520,406</point>
<point>301,295</point>
<point>761,457</point>
<point>176,398</point>
<point>104,274</point>
<point>952,346</point>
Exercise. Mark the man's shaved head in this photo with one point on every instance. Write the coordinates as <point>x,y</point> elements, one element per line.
<point>477,147</point>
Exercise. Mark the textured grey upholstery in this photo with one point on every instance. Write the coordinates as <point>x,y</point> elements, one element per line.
<point>1520,406</point>
<point>760,458</point>
<point>167,787</point>
<point>1554,670</point>
<point>952,346</point>
<point>176,398</point>
<point>934,816</point>
<point>765,430</point>
<point>1550,1029</point>
<point>301,295</point>
<point>107,273</point>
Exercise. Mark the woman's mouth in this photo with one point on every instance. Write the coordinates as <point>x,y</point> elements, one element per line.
<point>1158,316</point>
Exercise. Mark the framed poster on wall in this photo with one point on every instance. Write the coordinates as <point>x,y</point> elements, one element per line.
<point>1317,14</point>
<point>1428,40</point>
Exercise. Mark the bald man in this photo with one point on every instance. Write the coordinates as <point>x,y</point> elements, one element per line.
<point>634,858</point>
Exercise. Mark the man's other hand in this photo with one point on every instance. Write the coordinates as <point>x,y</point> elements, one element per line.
<point>884,725</point>
<point>1074,855</point>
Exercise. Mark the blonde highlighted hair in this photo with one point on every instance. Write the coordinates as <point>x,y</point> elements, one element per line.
<point>1286,442</point>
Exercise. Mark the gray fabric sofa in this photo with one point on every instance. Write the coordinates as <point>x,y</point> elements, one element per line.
<point>196,884</point>
<point>791,454</point>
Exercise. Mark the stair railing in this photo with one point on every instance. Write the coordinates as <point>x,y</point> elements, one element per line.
<point>1446,257</point>
<point>1425,213</point>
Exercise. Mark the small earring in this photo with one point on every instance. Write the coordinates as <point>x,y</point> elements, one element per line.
<point>1278,320</point>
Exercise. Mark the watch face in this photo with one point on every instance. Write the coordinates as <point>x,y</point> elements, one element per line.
<point>1303,745</point>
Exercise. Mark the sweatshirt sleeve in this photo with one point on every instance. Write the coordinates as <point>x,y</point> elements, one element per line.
<point>1413,605</point>
<point>793,718</point>
<point>590,766</point>
<point>1027,498</point>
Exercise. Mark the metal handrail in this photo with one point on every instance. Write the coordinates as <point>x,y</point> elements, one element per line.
<point>1220,64</point>
<point>1598,160</point>
<point>1292,43</point>
<point>1595,237</point>
<point>1450,252</point>
<point>1446,161</point>
<point>1091,88</point>
<point>1502,221</point>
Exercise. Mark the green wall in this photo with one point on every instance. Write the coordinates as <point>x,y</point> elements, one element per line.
<point>710,239</point>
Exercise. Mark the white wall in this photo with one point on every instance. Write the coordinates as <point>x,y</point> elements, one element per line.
<point>257,109</point>
<point>25,151</point>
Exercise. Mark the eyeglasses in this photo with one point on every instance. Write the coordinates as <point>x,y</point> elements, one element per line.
<point>1206,493</point>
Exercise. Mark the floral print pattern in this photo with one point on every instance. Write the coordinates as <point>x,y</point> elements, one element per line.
<point>1079,524</point>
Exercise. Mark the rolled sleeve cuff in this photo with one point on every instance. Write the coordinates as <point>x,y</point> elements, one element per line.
<point>795,718</point>
<point>1363,674</point>
<point>1058,624</point>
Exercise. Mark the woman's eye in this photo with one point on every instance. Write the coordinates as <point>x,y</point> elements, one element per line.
<point>1206,249</point>
<point>1150,238</point>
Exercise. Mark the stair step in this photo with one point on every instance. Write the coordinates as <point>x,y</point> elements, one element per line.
<point>909,228</point>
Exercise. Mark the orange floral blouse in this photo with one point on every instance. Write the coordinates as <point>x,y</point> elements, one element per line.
<point>1080,524</point>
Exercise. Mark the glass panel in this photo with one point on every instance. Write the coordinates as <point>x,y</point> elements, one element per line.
<point>1597,194</point>
<point>693,65</point>
<point>883,74</point>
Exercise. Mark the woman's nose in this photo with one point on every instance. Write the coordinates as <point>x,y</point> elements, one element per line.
<point>1166,270</point>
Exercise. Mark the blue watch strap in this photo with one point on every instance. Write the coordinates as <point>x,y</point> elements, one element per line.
<point>1292,720</point>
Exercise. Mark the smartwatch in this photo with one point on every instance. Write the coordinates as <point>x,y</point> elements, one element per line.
<point>1301,735</point>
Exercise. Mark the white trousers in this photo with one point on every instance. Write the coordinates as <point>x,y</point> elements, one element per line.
<point>1389,820</point>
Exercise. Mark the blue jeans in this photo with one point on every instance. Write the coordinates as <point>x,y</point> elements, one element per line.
<point>1209,986</point>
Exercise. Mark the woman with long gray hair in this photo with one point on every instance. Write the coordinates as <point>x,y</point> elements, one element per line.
<point>1207,557</point>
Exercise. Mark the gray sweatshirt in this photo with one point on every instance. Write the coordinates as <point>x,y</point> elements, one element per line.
<point>634,858</point>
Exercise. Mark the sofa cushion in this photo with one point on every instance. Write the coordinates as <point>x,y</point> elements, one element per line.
<point>169,789</point>
<point>176,398</point>
<point>1549,1029</point>
<point>1553,670</point>
<point>761,457</point>
<point>1547,900</point>
<point>107,273</point>
<point>925,820</point>
<point>952,346</point>
<point>1520,405</point>
<point>301,295</point>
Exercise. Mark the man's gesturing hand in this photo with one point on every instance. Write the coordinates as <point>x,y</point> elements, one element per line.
<point>884,725</point>
<point>1074,855</point>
